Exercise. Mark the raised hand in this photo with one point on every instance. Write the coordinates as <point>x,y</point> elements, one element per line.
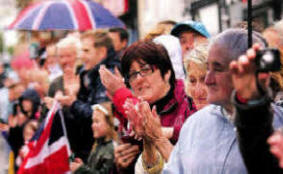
<point>48,101</point>
<point>134,116</point>
<point>111,81</point>
<point>72,86</point>
<point>244,75</point>
<point>152,124</point>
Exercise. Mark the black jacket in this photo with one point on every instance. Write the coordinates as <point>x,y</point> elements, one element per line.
<point>91,89</point>
<point>254,126</point>
<point>91,92</point>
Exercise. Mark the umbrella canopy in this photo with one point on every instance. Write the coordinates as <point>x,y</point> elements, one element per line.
<point>65,15</point>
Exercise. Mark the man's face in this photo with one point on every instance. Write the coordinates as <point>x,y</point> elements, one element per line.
<point>89,53</point>
<point>117,43</point>
<point>218,78</point>
<point>189,39</point>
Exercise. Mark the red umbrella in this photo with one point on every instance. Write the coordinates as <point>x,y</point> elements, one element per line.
<point>65,15</point>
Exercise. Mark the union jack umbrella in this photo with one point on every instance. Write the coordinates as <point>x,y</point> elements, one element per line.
<point>65,15</point>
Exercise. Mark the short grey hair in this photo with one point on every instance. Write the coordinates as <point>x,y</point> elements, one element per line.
<point>70,41</point>
<point>234,42</point>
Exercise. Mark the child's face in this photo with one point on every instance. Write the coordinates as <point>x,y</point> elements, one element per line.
<point>99,125</point>
<point>27,105</point>
<point>28,133</point>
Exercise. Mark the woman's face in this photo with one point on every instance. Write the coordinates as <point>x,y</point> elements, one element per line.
<point>27,105</point>
<point>196,87</point>
<point>146,82</point>
<point>99,126</point>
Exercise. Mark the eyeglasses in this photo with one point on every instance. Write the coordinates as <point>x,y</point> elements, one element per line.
<point>145,71</point>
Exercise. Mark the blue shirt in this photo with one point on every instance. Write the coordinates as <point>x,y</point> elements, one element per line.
<point>208,144</point>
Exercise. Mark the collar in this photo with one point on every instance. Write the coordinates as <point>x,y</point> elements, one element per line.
<point>103,140</point>
<point>160,104</point>
<point>228,116</point>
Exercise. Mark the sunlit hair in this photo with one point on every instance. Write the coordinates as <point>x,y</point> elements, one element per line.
<point>162,28</point>
<point>106,109</point>
<point>198,55</point>
<point>70,41</point>
<point>278,26</point>
<point>100,37</point>
<point>274,37</point>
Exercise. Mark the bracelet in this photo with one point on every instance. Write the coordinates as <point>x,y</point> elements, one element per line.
<point>156,168</point>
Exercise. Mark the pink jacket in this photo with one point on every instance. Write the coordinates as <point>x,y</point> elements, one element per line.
<point>173,110</point>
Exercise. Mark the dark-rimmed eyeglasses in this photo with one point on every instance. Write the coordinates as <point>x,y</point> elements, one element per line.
<point>145,71</point>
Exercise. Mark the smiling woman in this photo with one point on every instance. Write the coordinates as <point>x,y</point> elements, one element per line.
<point>149,74</point>
<point>195,65</point>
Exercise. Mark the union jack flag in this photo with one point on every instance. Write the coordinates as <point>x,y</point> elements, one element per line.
<point>50,150</point>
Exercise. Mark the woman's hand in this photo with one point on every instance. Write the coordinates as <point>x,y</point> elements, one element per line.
<point>152,124</point>
<point>112,82</point>
<point>48,101</point>
<point>125,155</point>
<point>244,75</point>
<point>72,86</point>
<point>134,116</point>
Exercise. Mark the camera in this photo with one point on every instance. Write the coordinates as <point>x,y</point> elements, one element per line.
<point>268,60</point>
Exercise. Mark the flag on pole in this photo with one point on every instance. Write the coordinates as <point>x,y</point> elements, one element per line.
<point>49,148</point>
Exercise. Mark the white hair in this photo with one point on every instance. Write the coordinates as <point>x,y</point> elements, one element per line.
<point>70,41</point>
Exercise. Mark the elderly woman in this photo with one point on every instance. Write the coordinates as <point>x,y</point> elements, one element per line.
<point>207,143</point>
<point>195,65</point>
<point>149,74</point>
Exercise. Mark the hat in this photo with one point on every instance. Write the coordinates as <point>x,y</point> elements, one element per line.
<point>190,25</point>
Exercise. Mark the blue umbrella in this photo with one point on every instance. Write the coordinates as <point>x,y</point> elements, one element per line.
<point>65,15</point>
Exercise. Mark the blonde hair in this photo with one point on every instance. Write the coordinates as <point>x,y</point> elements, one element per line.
<point>162,28</point>
<point>277,31</point>
<point>197,55</point>
<point>70,41</point>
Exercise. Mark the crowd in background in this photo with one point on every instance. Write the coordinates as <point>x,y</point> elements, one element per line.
<point>168,103</point>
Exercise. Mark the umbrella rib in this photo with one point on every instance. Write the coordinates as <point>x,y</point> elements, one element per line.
<point>73,17</point>
<point>92,20</point>
<point>39,18</point>
<point>26,15</point>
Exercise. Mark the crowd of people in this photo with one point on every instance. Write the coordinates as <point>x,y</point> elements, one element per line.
<point>177,101</point>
